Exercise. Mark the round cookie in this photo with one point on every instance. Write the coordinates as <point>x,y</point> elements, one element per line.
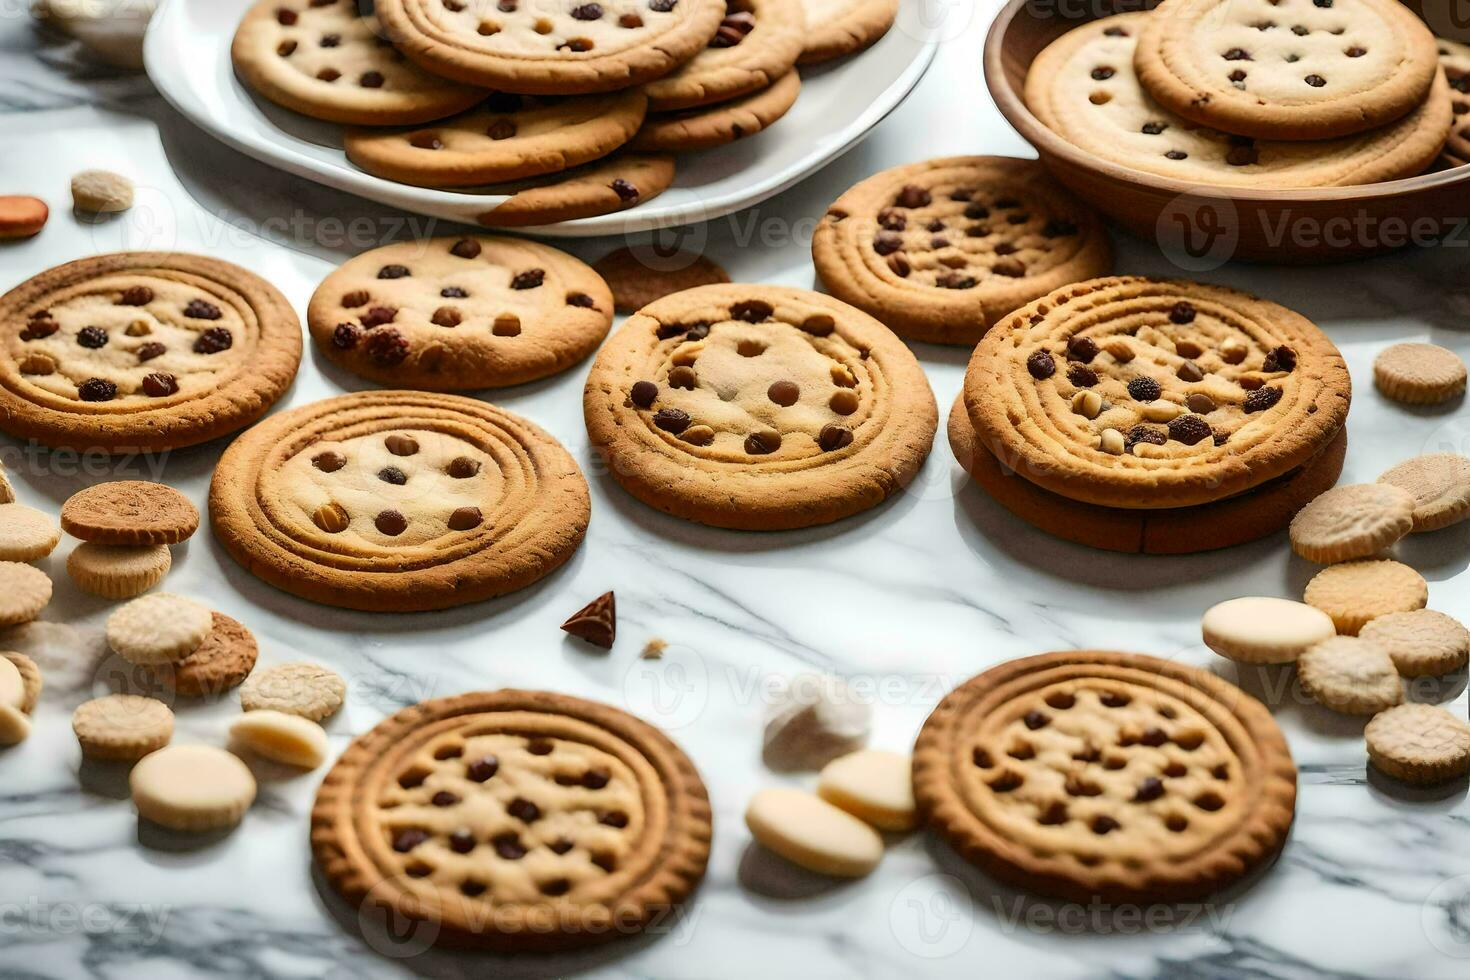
<point>541,49</point>
<point>813,833</point>
<point>1309,71</point>
<point>615,183</point>
<point>1419,374</point>
<point>1225,523</point>
<point>118,571</point>
<point>835,28</point>
<point>1454,57</point>
<point>31,680</point>
<point>1145,394</point>
<point>1419,744</point>
<point>1099,776</point>
<point>24,592</point>
<point>545,821</point>
<point>1350,675</point>
<point>1440,485</point>
<point>130,512</point>
<point>940,250</point>
<point>192,788</point>
<point>158,629</point>
<point>26,534</point>
<point>142,351</point>
<point>1352,521</point>
<point>122,727</point>
<point>1422,643</point>
<point>308,690</point>
<point>459,313</point>
<point>398,501</point>
<point>328,59</point>
<point>1357,592</point>
<point>223,660</point>
<point>1083,87</point>
<point>288,739</point>
<point>758,408</point>
<point>704,127</point>
<point>1264,629</point>
<point>509,137</point>
<point>757,43</point>
<point>638,276</point>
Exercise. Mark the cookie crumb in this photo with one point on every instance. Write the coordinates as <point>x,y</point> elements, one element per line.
<point>654,649</point>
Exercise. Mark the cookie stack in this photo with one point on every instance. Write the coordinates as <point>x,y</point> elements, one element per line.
<point>1162,417</point>
<point>1264,93</point>
<point>492,93</point>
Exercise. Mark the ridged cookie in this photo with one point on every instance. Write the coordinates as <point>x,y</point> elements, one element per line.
<point>398,501</point>
<point>758,407</point>
<point>1440,485</point>
<point>1419,743</point>
<point>130,512</point>
<point>1356,592</point>
<point>757,43</point>
<point>714,125</point>
<point>118,571</point>
<point>26,534</point>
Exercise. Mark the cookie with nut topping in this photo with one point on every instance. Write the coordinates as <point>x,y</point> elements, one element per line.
<point>446,314</point>
<point>758,407</point>
<point>518,820</point>
<point>398,501</point>
<point>940,250</point>
<point>142,351</point>
<point>1145,394</point>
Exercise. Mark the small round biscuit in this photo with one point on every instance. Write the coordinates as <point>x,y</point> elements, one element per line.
<point>1352,521</point>
<point>1419,743</point>
<point>1419,374</point>
<point>122,727</point>
<point>812,833</point>
<point>24,592</point>
<point>1264,629</point>
<point>1440,483</point>
<point>1350,675</point>
<point>288,739</point>
<point>638,276</point>
<point>15,727</point>
<point>875,786</point>
<point>118,571</point>
<point>30,682</point>
<point>1422,643</point>
<point>223,660</point>
<point>159,628</point>
<point>132,512</point>
<point>192,788</point>
<point>26,534</point>
<point>1356,592</point>
<point>304,689</point>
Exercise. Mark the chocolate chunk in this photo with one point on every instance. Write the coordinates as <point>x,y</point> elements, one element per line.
<point>444,798</point>
<point>1082,349</point>
<point>96,390</point>
<point>596,622</point>
<point>391,523</point>
<point>401,445</point>
<point>92,337</point>
<point>1082,377</point>
<point>529,279</point>
<point>214,340</point>
<point>462,841</point>
<point>763,442</point>
<point>501,129</point>
<point>371,79</point>
<point>508,845</point>
<point>465,519</point>
<point>345,336</point>
<point>1102,824</point>
<point>160,384</point>
<point>393,475</point>
<point>784,393</point>
<point>887,242</point>
<point>1261,399</point>
<point>523,810</point>
<point>752,310</point>
<point>613,818</point>
<point>198,309</point>
<point>1150,789</point>
<point>409,838</point>
<point>1281,359</point>
<point>136,296</point>
<point>672,420</point>
<point>643,393</point>
<point>465,248</point>
<point>1035,719</point>
<point>386,348</point>
<point>834,437</point>
<point>393,272</point>
<point>913,196</point>
<point>329,461</point>
<point>462,467</point>
<point>1144,389</point>
<point>1041,365</point>
<point>1190,371</point>
<point>482,769</point>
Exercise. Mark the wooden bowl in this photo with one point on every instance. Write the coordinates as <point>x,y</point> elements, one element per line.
<point>1202,226</point>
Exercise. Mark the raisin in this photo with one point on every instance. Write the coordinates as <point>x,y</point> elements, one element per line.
<point>1189,429</point>
<point>149,351</point>
<point>345,336</point>
<point>160,384</point>
<point>1281,359</point>
<point>1144,389</point>
<point>387,347</point>
<point>1261,399</point>
<point>529,279</point>
<point>136,296</point>
<point>1082,377</point>
<point>1041,365</point>
<point>625,190</point>
<point>1182,312</point>
<point>214,340</point>
<point>393,272</point>
<point>1082,349</point>
<point>377,316</point>
<point>92,337</point>
<point>198,309</point>
<point>671,420</point>
<point>96,390</point>
<point>1145,433</point>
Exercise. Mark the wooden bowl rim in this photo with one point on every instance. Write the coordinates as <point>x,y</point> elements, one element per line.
<point>1041,137</point>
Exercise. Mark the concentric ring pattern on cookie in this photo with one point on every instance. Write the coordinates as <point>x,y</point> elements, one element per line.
<point>398,501</point>
<point>142,351</point>
<point>758,407</point>
<point>940,250</point>
<point>1099,776</point>
<point>518,820</point>
<point>1139,393</point>
<point>460,313</point>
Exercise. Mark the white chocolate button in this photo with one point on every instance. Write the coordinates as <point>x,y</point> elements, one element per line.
<point>875,786</point>
<point>291,739</point>
<point>12,685</point>
<point>14,726</point>
<point>1264,630</point>
<point>810,832</point>
<point>192,787</point>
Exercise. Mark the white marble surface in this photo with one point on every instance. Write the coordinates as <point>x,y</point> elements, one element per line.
<point>906,601</point>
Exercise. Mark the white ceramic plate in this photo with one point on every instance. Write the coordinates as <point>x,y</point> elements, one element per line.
<point>187,54</point>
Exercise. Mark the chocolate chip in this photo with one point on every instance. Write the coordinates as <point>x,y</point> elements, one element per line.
<point>462,467</point>
<point>560,846</point>
<point>345,336</point>
<point>834,437</point>
<point>160,384</point>
<point>286,18</point>
<point>1200,403</point>
<point>672,420</point>
<point>465,248</point>
<point>886,243</point>
<point>1059,228</point>
<point>409,838</point>
<point>462,841</point>
<point>391,523</point>
<point>1082,377</point>
<point>393,475</point>
<point>1144,433</point>
<point>465,519</point>
<point>643,393</point>
<point>1144,389</point>
<point>96,390</point>
<point>1154,737</point>
<point>1281,359</point>
<point>1182,312</point>
<point>892,220</point>
<point>331,40</point>
<point>763,442</point>
<point>444,798</point>
<point>329,462</point>
<point>523,810</point>
<point>446,316</point>
<point>214,340</point>
<point>393,272</point>
<point>938,242</point>
<point>509,846</point>
<point>899,265</point>
<point>371,79</point>
<point>501,129</point>
<point>1315,80</point>
<point>1041,365</point>
<point>482,769</point>
<point>386,348</point>
<point>1237,54</point>
<point>529,279</point>
<point>630,21</point>
<point>1190,371</point>
<point>587,11</point>
<point>1112,699</point>
<point>751,310</point>
<point>1261,399</point>
<point>1082,349</point>
<point>843,402</point>
<point>955,280</point>
<point>1035,719</point>
<point>354,299</point>
<point>401,445</point>
<point>596,778</point>
<point>1150,789</point>
<point>613,818</point>
<point>328,75</point>
<point>1103,823</point>
<point>136,296</point>
<point>539,746</point>
<point>935,225</point>
<point>92,337</point>
<point>913,196</point>
<point>661,6</point>
<point>976,211</point>
<point>39,325</point>
<point>1102,73</point>
<point>783,393</point>
<point>1242,156</point>
<point>198,309</point>
<point>581,300</point>
<point>1009,267</point>
<point>683,377</point>
<point>1154,128</point>
<point>1177,155</point>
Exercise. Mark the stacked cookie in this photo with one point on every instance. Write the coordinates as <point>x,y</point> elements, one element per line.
<point>1145,416</point>
<point>480,93</point>
<point>1260,93</point>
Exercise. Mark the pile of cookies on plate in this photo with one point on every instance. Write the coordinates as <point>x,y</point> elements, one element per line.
<point>1259,93</point>
<point>582,103</point>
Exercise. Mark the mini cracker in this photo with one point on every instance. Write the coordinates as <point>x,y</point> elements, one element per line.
<point>1352,521</point>
<point>192,788</point>
<point>26,534</point>
<point>288,739</point>
<point>1422,643</point>
<point>1419,743</point>
<point>304,689</point>
<point>131,512</point>
<point>223,660</point>
<point>1264,629</point>
<point>1350,675</point>
<point>1419,374</point>
<point>158,629</point>
<point>1440,484</point>
<point>638,276</point>
<point>122,727</point>
<point>24,592</point>
<point>118,571</point>
<point>30,679</point>
<point>1357,592</point>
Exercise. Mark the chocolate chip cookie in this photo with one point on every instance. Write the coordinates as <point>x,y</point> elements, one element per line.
<point>940,250</point>
<point>1084,88</point>
<point>836,28</point>
<point>614,183</point>
<point>758,407</point>
<point>704,127</point>
<point>757,43</point>
<point>446,314</point>
<point>566,48</point>
<point>328,59</point>
<point>1146,394</point>
<point>142,351</point>
<point>398,501</point>
<point>519,820</point>
<point>1454,57</point>
<point>507,137</point>
<point>1299,71</point>
<point>1100,776</point>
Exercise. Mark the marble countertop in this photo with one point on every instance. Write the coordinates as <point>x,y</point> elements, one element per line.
<point>905,601</point>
